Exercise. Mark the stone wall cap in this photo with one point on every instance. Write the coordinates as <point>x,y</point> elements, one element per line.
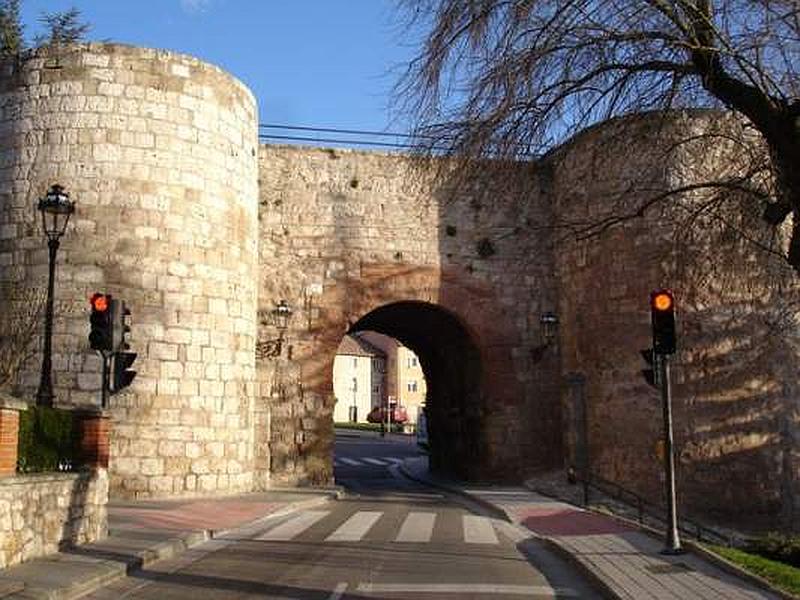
<point>92,411</point>
<point>40,478</point>
<point>10,402</point>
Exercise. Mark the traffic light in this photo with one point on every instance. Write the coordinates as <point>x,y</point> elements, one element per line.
<point>119,327</point>
<point>651,375</point>
<point>101,333</point>
<point>122,374</point>
<point>662,312</point>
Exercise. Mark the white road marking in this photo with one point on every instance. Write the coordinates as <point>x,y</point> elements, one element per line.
<point>355,528</point>
<point>479,530</point>
<point>294,527</point>
<point>375,461</point>
<point>392,459</point>
<point>465,588</point>
<point>350,461</point>
<point>338,591</point>
<point>418,527</point>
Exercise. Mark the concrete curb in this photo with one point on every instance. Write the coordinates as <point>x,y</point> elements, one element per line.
<point>113,570</point>
<point>734,569</point>
<point>593,578</point>
<point>335,491</point>
<point>696,547</point>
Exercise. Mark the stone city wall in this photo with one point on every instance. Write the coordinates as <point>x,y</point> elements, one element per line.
<point>343,233</point>
<point>735,373</point>
<point>201,232</point>
<point>159,152</point>
<point>39,513</point>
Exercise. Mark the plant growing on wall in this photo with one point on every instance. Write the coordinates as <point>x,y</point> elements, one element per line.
<point>63,27</point>
<point>11,41</point>
<point>512,79</point>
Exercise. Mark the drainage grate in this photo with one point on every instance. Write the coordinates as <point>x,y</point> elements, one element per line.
<point>669,568</point>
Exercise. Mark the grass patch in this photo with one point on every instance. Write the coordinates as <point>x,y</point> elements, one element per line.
<point>779,574</point>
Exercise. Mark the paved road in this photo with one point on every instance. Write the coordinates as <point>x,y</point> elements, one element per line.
<point>390,538</point>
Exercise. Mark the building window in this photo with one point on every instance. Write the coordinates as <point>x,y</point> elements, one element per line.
<point>355,363</point>
<point>412,386</point>
<point>412,361</point>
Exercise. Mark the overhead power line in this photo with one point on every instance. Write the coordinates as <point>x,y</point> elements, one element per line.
<point>347,131</point>
<point>266,134</point>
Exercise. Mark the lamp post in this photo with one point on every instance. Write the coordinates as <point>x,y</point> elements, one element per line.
<point>56,209</point>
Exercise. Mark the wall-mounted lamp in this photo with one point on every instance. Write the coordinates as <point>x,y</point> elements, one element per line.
<point>548,325</point>
<point>279,318</point>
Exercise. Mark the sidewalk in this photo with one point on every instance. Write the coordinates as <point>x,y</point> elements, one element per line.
<point>141,532</point>
<point>620,559</point>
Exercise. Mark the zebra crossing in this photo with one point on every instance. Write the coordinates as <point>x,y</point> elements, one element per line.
<point>417,528</point>
<point>382,461</point>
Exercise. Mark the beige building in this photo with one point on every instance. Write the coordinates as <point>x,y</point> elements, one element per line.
<point>359,371</point>
<point>405,380</point>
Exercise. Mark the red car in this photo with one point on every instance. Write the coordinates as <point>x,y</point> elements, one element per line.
<point>379,414</point>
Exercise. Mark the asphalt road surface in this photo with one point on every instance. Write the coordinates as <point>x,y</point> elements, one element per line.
<point>389,538</point>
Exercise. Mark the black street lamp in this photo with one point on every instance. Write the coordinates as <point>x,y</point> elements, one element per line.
<point>278,318</point>
<point>56,208</point>
<point>548,323</point>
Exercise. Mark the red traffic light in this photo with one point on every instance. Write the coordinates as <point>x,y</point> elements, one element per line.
<point>662,317</point>
<point>662,300</point>
<point>99,302</point>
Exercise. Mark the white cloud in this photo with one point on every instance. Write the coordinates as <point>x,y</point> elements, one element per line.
<point>195,7</point>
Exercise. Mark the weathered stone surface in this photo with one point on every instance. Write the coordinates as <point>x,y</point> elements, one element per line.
<point>40,512</point>
<point>160,157</point>
<point>344,234</point>
<point>202,231</point>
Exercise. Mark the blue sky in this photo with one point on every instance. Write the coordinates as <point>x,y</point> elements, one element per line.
<point>329,63</point>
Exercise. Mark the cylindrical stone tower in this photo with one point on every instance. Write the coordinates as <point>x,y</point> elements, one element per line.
<point>159,152</point>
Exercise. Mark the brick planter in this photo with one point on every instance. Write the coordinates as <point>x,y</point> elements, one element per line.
<point>94,427</point>
<point>9,433</point>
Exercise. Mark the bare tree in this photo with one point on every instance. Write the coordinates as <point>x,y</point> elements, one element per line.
<point>514,78</point>
<point>20,322</point>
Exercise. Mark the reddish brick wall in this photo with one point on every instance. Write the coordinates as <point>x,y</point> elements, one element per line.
<point>94,444</point>
<point>9,440</point>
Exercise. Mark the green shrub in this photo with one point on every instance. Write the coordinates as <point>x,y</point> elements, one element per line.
<point>776,546</point>
<point>48,440</point>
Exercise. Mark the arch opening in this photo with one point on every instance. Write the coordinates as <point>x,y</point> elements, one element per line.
<point>451,364</point>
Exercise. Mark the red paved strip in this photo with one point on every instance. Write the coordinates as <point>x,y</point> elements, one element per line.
<point>560,522</point>
<point>195,515</point>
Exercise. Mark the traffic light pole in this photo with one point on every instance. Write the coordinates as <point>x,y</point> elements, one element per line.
<point>673,540</point>
<point>104,388</point>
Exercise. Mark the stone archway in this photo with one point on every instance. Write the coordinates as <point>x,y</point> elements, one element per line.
<point>452,365</point>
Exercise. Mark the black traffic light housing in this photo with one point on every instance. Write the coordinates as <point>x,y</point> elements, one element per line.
<point>651,373</point>
<point>662,312</point>
<point>122,375</point>
<point>101,325</point>
<point>120,327</point>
